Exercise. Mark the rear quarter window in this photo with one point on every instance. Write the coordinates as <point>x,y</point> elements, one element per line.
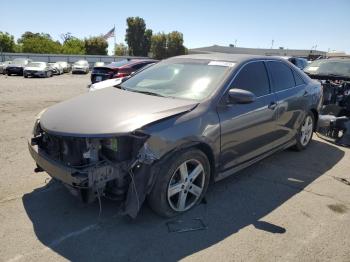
<point>281,74</point>
<point>298,79</point>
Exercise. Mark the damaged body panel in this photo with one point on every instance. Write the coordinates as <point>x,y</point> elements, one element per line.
<point>163,133</point>
<point>334,118</point>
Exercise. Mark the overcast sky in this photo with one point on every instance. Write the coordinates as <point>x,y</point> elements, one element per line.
<point>294,24</point>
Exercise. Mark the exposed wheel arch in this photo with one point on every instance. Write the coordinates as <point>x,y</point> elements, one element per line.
<point>205,148</point>
<point>315,113</point>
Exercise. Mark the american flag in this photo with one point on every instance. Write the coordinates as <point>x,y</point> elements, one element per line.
<point>110,33</point>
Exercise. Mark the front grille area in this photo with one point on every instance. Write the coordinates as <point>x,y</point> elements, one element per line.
<point>67,150</point>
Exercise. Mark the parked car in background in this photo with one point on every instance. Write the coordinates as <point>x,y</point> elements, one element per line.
<point>39,69</point>
<point>99,64</point>
<point>3,66</point>
<point>118,69</point>
<point>167,131</point>
<point>114,81</point>
<point>105,83</point>
<point>65,65</point>
<point>81,66</point>
<point>297,61</point>
<point>57,68</point>
<point>17,66</point>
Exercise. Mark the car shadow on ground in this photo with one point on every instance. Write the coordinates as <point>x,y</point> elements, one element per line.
<point>76,232</point>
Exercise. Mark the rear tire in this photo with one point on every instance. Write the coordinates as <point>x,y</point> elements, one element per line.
<point>305,132</point>
<point>181,183</point>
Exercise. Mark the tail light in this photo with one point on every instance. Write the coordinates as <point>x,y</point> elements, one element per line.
<point>118,75</point>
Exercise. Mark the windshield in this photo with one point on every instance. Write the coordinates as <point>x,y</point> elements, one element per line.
<point>329,67</point>
<point>37,64</point>
<point>19,61</point>
<point>120,63</point>
<point>195,80</point>
<point>81,63</point>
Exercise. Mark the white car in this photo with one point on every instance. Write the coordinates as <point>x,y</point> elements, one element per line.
<point>39,69</point>
<point>106,83</point>
<point>81,66</point>
<point>57,68</point>
<point>3,66</point>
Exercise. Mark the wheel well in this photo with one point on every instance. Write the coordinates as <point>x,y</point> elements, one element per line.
<point>315,113</point>
<point>209,153</point>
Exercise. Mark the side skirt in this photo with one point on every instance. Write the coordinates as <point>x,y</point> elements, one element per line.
<point>235,169</point>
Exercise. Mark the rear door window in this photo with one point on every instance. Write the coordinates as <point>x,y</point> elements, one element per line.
<point>281,74</point>
<point>298,79</point>
<point>253,77</point>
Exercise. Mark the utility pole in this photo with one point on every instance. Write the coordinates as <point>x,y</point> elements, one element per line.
<point>272,42</point>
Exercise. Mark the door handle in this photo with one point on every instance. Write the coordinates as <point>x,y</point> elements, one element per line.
<point>272,105</point>
<point>305,93</point>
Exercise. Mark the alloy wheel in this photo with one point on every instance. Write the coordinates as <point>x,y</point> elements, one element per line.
<point>186,185</point>
<point>306,131</point>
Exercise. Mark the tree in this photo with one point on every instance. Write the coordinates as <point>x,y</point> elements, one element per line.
<point>28,34</point>
<point>137,37</point>
<point>39,43</point>
<point>147,42</point>
<point>73,46</point>
<point>96,45</point>
<point>175,44</point>
<point>120,49</point>
<point>66,36</point>
<point>167,45</point>
<point>7,42</point>
<point>159,46</point>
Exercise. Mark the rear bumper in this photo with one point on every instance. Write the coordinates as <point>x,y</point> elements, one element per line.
<point>79,70</point>
<point>56,170</point>
<point>95,78</point>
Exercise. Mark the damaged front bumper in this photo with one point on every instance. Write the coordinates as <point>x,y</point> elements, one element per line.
<point>127,181</point>
<point>334,129</point>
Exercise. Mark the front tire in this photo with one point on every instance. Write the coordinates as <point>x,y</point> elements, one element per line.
<point>305,132</point>
<point>181,183</point>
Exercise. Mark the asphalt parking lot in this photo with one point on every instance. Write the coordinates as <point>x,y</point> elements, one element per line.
<point>290,207</point>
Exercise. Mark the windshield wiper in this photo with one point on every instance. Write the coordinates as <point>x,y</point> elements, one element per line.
<point>146,92</point>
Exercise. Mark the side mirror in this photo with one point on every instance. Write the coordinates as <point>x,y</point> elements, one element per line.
<point>240,96</point>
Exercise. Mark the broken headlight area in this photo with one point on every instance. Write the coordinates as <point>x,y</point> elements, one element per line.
<point>95,167</point>
<point>334,118</point>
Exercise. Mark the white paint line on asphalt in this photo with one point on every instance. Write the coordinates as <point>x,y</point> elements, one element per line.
<point>54,243</point>
<point>72,234</point>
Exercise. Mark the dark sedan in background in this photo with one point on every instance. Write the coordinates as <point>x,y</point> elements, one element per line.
<point>118,69</point>
<point>164,133</point>
<point>17,66</point>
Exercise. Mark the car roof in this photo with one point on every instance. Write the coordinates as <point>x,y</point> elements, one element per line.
<point>137,61</point>
<point>237,58</point>
<point>131,62</point>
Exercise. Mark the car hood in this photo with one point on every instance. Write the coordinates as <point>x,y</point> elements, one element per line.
<point>109,112</point>
<point>34,68</point>
<point>16,65</point>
